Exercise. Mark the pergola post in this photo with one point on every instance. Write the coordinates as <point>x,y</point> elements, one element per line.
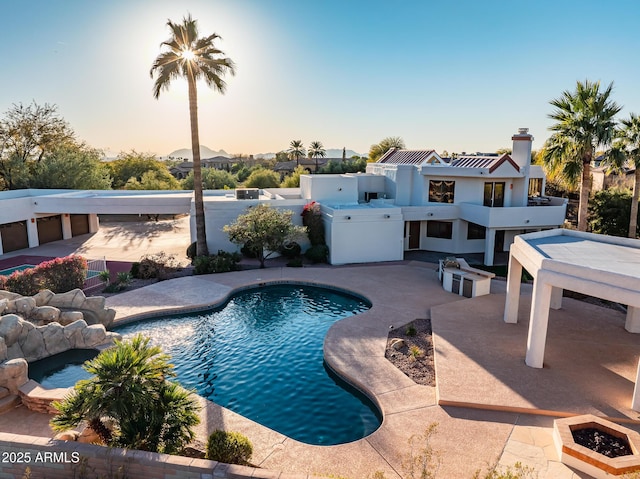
<point>635,400</point>
<point>632,323</point>
<point>556,298</point>
<point>513,290</point>
<point>538,322</point>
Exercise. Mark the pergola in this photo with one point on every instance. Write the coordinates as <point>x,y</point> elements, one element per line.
<point>606,267</point>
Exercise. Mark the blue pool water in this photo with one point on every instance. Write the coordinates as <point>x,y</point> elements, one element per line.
<point>261,356</point>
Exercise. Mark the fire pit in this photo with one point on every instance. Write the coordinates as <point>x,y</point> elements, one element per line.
<point>596,446</point>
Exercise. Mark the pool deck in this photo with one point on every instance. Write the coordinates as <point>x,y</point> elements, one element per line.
<point>590,366</point>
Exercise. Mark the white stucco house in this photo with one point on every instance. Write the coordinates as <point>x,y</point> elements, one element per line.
<point>408,200</point>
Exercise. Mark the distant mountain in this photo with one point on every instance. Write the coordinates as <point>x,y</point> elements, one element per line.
<point>330,153</point>
<point>204,153</point>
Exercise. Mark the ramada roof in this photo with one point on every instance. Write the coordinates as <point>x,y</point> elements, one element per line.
<point>490,162</point>
<point>405,157</point>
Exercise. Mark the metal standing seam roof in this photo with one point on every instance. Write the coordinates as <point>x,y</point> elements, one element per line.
<point>405,157</point>
<point>490,162</point>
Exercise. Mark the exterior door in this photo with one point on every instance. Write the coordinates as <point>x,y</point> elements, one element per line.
<point>14,236</point>
<point>414,234</point>
<point>498,245</point>
<point>49,229</point>
<point>79,225</point>
<point>494,194</point>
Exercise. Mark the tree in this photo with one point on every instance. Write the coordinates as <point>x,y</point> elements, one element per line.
<point>129,388</point>
<point>626,153</point>
<point>153,180</point>
<point>584,122</point>
<point>293,180</point>
<point>193,58</point>
<point>265,228</point>
<point>212,179</point>
<point>262,178</point>
<point>132,165</point>
<point>76,167</point>
<point>27,134</point>
<point>609,212</point>
<point>376,151</point>
<point>316,150</point>
<point>296,151</point>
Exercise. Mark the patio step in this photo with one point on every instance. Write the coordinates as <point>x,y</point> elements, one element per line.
<point>8,403</point>
<point>4,392</point>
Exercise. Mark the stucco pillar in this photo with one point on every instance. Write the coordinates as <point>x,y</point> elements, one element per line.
<point>633,320</point>
<point>556,298</point>
<point>512,301</point>
<point>1,249</point>
<point>66,227</point>
<point>538,322</point>
<point>635,400</point>
<point>32,233</point>
<point>489,246</point>
<point>94,223</point>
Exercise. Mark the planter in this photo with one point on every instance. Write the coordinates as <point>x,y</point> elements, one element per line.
<point>588,460</point>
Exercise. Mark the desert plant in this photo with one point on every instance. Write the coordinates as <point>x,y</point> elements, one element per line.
<point>422,461</point>
<point>129,386</point>
<point>411,330</point>
<point>124,278</point>
<point>158,265</point>
<point>518,471</point>
<point>229,447</point>
<point>192,251</point>
<point>415,352</point>
<point>105,276</point>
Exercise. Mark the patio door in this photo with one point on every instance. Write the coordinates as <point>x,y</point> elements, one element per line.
<point>414,235</point>
<point>494,194</point>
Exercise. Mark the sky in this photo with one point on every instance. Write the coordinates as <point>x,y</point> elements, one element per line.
<point>444,75</point>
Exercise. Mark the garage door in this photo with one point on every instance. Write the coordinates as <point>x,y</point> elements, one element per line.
<point>49,229</point>
<point>14,236</point>
<point>79,225</point>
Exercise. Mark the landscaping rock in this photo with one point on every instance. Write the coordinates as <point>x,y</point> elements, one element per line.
<point>3,350</point>
<point>93,335</point>
<point>4,303</point>
<point>397,344</point>
<point>44,314</point>
<point>13,374</point>
<point>67,436</point>
<point>55,340</point>
<point>33,346</point>
<point>43,297</point>
<point>69,317</point>
<point>10,328</point>
<point>22,305</point>
<point>8,295</point>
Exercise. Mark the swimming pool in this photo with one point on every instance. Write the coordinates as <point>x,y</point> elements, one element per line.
<point>261,356</point>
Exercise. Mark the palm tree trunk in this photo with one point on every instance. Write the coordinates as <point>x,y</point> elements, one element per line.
<point>633,220</point>
<point>585,189</point>
<point>201,234</point>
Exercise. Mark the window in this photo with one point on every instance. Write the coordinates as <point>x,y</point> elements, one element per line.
<point>441,191</point>
<point>475,231</point>
<point>440,229</point>
<point>535,186</point>
<point>494,194</point>
<point>368,196</point>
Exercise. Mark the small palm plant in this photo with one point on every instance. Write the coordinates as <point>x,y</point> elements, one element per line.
<point>129,390</point>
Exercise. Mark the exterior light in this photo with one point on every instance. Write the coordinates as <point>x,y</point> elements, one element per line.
<point>387,216</point>
<point>526,221</point>
<point>429,214</point>
<point>347,217</point>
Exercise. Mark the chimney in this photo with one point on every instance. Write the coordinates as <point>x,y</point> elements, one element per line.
<point>522,149</point>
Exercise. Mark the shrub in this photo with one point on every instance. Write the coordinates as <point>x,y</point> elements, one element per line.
<point>318,253</point>
<point>59,275</point>
<point>295,263</point>
<point>158,265</point>
<point>229,447</point>
<point>192,251</point>
<point>290,250</point>
<point>312,219</point>
<point>249,251</point>
<point>411,330</point>
<point>135,270</point>
<point>222,262</point>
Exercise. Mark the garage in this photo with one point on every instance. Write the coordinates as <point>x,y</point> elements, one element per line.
<point>14,236</point>
<point>79,225</point>
<point>49,229</point>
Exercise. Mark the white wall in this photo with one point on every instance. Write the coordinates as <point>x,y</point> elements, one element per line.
<point>333,189</point>
<point>364,235</point>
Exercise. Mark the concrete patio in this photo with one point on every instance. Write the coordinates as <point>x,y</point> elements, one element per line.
<point>507,407</point>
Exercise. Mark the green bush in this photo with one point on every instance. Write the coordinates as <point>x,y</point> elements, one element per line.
<point>58,275</point>
<point>295,263</point>
<point>229,447</point>
<point>290,250</point>
<point>249,251</point>
<point>312,219</point>
<point>192,251</point>
<point>609,212</point>
<point>411,330</point>
<point>223,262</point>
<point>317,253</point>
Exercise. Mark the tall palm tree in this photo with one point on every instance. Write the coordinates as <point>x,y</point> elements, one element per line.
<point>296,151</point>
<point>194,58</point>
<point>626,153</point>
<point>316,150</point>
<point>584,121</point>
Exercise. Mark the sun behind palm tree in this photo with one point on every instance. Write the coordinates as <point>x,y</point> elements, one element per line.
<point>188,56</point>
